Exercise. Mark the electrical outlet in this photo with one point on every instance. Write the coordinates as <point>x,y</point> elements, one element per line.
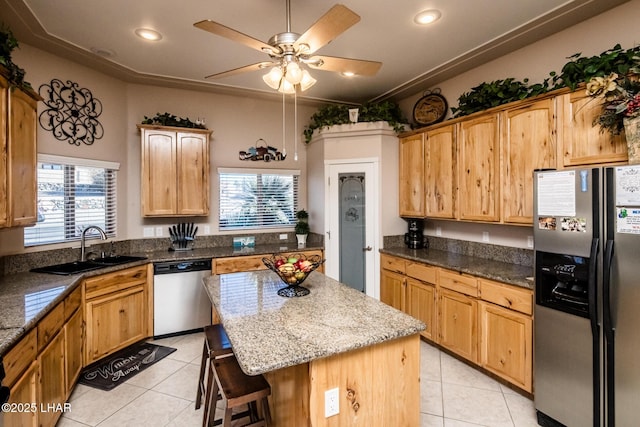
<point>529,241</point>
<point>207,230</point>
<point>485,236</point>
<point>158,231</point>
<point>147,232</point>
<point>331,403</point>
<point>438,231</point>
<point>283,237</point>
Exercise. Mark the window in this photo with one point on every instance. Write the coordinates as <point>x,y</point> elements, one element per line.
<point>252,198</point>
<point>72,194</point>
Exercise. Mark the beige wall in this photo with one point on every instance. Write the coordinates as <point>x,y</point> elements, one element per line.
<point>237,123</point>
<point>535,61</point>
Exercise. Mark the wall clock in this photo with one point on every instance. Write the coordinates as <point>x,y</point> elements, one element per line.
<point>430,109</point>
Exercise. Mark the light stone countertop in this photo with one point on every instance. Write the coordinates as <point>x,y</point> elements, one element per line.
<point>270,332</point>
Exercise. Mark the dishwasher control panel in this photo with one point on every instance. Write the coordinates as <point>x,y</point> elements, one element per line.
<point>171,267</point>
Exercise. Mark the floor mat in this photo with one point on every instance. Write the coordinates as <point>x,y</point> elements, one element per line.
<point>113,370</point>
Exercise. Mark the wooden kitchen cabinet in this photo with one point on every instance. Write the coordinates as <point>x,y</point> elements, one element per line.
<point>421,304</point>
<point>24,390</point>
<point>74,349</point>
<point>479,166</point>
<point>440,177</point>
<point>582,142</point>
<point>506,344</point>
<point>117,309</point>
<point>175,171</point>
<point>392,281</point>
<point>458,324</point>
<point>18,151</point>
<point>528,143</point>
<point>52,380</point>
<point>411,176</point>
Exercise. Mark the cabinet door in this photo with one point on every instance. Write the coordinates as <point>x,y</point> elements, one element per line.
<point>4,93</point>
<point>22,159</point>
<point>193,174</point>
<point>421,304</point>
<point>52,380</point>
<point>74,346</point>
<point>583,143</point>
<point>479,166</point>
<point>440,172</point>
<point>506,344</point>
<point>458,324</point>
<point>158,172</point>
<point>528,143</point>
<point>23,391</point>
<point>411,202</point>
<point>392,289</point>
<point>115,321</point>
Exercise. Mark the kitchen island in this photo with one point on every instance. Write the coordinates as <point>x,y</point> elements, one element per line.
<point>335,337</point>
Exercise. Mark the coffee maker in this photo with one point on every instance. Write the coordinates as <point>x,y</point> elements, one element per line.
<point>414,238</point>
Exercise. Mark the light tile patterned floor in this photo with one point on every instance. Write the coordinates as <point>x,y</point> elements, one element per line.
<point>452,395</point>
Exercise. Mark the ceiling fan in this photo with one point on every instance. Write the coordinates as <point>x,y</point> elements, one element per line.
<point>289,50</point>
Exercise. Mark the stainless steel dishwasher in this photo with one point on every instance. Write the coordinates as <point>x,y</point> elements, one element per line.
<point>180,303</point>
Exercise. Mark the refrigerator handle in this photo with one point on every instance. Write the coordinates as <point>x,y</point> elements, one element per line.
<point>592,283</point>
<point>609,336</point>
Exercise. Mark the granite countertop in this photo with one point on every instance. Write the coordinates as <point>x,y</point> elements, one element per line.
<point>270,332</point>
<point>27,297</point>
<point>513,274</point>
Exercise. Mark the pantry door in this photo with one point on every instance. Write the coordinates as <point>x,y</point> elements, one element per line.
<point>351,222</point>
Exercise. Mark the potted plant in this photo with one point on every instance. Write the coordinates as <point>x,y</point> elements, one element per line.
<point>338,114</point>
<point>14,73</point>
<point>302,227</point>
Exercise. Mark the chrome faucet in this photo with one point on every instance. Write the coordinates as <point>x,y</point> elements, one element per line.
<point>103,236</point>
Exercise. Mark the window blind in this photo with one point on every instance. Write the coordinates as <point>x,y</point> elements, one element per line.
<point>251,199</point>
<point>72,196</point>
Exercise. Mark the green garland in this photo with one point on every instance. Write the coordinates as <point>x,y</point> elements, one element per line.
<point>167,119</point>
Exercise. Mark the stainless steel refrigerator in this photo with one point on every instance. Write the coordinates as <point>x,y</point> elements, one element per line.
<point>587,287</point>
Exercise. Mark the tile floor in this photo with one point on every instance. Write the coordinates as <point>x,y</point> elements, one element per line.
<point>452,395</point>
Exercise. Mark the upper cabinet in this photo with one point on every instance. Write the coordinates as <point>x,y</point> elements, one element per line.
<point>411,202</point>
<point>175,171</point>
<point>18,145</point>
<point>440,173</point>
<point>479,168</point>
<point>582,142</point>
<point>528,143</point>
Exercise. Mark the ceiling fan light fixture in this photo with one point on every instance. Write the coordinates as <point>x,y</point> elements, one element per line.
<point>287,87</point>
<point>148,34</point>
<point>427,17</point>
<point>307,81</point>
<point>273,78</point>
<point>293,73</point>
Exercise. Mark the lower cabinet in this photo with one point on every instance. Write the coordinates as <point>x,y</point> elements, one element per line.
<point>487,323</point>
<point>23,391</point>
<point>458,324</point>
<point>43,366</point>
<point>117,306</point>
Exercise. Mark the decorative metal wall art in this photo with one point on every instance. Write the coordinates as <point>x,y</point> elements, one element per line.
<point>262,151</point>
<point>72,113</point>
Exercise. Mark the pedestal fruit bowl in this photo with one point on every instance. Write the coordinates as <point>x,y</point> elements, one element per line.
<point>293,269</point>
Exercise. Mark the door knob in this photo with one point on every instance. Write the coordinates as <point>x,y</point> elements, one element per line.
<point>368,248</point>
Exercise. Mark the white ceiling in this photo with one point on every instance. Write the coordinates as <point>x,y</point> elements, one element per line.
<point>470,32</point>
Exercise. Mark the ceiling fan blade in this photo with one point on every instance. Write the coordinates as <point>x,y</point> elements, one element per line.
<point>246,68</point>
<point>330,25</point>
<point>359,67</point>
<point>231,34</point>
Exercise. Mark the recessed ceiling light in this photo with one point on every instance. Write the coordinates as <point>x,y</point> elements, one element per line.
<point>348,74</point>
<point>148,34</point>
<point>427,17</point>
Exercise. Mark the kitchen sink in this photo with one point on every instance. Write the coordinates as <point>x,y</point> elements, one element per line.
<point>117,259</point>
<point>83,266</point>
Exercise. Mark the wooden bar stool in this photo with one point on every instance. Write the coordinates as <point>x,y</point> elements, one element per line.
<point>216,344</point>
<point>236,389</point>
